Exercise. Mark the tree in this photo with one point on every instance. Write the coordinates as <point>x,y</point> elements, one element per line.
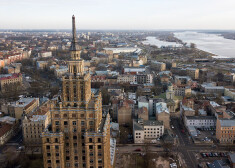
<point>220,77</point>
<point>192,45</point>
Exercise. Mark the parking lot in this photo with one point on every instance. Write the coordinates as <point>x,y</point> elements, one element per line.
<point>213,154</point>
<point>205,135</point>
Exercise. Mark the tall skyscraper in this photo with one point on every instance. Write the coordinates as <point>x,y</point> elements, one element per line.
<point>79,134</point>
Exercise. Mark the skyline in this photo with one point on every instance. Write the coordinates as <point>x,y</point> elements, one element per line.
<point>121,15</point>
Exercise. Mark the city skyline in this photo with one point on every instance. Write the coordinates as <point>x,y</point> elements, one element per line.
<point>118,15</point>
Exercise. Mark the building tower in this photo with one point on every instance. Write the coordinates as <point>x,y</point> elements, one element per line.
<point>79,135</point>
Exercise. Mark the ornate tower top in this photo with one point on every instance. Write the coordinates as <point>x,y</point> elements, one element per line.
<point>74,46</point>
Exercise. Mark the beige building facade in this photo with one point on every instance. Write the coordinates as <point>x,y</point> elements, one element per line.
<point>79,135</point>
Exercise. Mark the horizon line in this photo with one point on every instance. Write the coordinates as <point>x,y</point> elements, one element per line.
<point>51,29</point>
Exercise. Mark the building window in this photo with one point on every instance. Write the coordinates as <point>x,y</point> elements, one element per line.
<point>99,140</point>
<point>74,123</point>
<point>91,122</point>
<point>48,147</point>
<point>56,147</point>
<point>90,140</point>
<point>82,123</point>
<point>65,122</point>
<point>57,161</point>
<point>90,147</point>
<point>57,123</point>
<point>99,146</point>
<point>48,161</point>
<point>67,158</point>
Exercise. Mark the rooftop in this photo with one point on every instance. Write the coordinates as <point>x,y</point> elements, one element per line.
<point>227,122</point>
<point>23,102</point>
<point>201,117</point>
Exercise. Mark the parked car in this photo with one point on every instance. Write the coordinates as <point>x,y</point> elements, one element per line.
<point>138,150</point>
<point>203,155</point>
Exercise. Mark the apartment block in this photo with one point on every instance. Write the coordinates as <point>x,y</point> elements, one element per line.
<point>144,131</point>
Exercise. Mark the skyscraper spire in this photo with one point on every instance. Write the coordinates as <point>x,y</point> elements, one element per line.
<point>74,45</point>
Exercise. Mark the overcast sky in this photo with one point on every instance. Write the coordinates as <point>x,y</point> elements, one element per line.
<point>118,14</point>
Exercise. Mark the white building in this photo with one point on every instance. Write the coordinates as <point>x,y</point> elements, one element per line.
<point>134,69</point>
<point>126,78</point>
<point>147,130</point>
<point>200,121</point>
<point>209,88</point>
<point>45,54</point>
<point>123,50</point>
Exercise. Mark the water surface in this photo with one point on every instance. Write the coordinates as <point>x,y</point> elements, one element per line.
<point>213,43</point>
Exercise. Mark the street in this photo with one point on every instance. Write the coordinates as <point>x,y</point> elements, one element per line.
<point>187,148</point>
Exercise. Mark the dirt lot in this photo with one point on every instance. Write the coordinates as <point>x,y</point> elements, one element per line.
<point>142,161</point>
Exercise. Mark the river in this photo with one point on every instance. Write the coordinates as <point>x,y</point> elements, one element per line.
<point>213,43</point>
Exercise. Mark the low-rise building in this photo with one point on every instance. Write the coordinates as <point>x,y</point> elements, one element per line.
<point>142,113</point>
<point>126,78</point>
<point>41,64</point>
<point>8,128</point>
<point>33,125</point>
<point>134,69</point>
<point>209,88</point>
<point>160,66</point>
<point>193,73</point>
<point>200,121</point>
<point>22,107</point>
<point>9,82</point>
<point>163,114</point>
<point>229,92</point>
<point>143,78</point>
<point>225,130</point>
<point>182,90</point>
<point>6,132</point>
<point>45,54</point>
<point>32,129</point>
<point>125,112</point>
<point>147,130</point>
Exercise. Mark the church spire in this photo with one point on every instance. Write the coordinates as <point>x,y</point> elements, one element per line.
<point>74,46</point>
